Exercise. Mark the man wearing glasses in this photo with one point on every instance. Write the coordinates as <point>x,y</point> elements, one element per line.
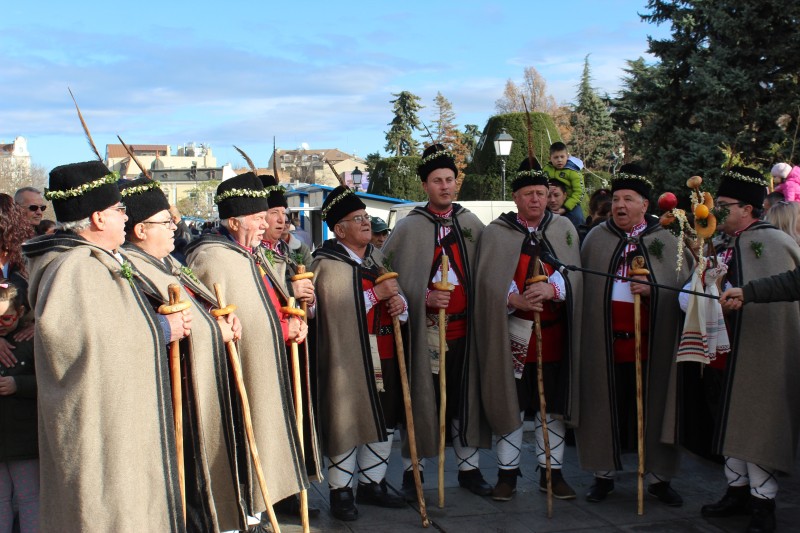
<point>107,444</point>
<point>32,201</point>
<point>757,410</point>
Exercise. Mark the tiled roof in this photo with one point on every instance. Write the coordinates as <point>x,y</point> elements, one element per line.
<point>117,150</point>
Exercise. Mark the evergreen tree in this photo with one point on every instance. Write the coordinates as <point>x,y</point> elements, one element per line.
<point>446,132</point>
<point>397,177</point>
<point>400,137</point>
<point>726,80</point>
<point>593,136</point>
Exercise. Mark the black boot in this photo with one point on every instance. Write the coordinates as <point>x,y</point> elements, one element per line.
<point>290,507</point>
<point>763,519</point>
<point>378,494</point>
<point>343,504</point>
<point>665,493</point>
<point>473,481</point>
<point>561,489</point>
<point>409,488</point>
<point>506,484</point>
<point>735,502</point>
<point>602,487</point>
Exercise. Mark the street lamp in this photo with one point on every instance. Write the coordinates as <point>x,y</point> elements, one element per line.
<point>356,175</point>
<point>502,148</point>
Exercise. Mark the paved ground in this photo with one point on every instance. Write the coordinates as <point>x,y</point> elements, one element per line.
<point>700,482</point>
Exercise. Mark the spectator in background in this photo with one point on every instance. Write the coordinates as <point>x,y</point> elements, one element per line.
<point>380,232</point>
<point>787,181</point>
<point>599,211</point>
<point>786,217</point>
<point>300,233</point>
<point>772,199</point>
<point>19,444</point>
<point>14,230</point>
<point>46,227</point>
<point>32,201</point>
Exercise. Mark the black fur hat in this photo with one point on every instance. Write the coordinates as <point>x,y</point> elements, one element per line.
<point>632,176</point>
<point>241,195</point>
<point>529,175</point>
<point>340,203</point>
<point>436,156</point>
<point>276,197</point>
<point>79,189</point>
<point>143,198</point>
<point>745,184</point>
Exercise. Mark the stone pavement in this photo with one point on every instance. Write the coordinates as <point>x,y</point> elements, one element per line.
<point>699,482</point>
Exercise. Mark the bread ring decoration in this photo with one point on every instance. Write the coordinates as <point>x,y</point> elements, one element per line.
<point>694,182</point>
<point>707,231</point>
<point>228,309</point>
<point>293,311</point>
<point>639,272</point>
<point>708,200</point>
<point>441,286</point>
<point>667,219</point>
<point>638,267</point>
<point>168,309</point>
<point>304,275</point>
<point>388,275</point>
<point>536,279</point>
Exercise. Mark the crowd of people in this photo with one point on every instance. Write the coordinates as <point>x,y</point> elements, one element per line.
<point>134,398</point>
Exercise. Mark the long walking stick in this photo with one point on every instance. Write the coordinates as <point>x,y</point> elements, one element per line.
<point>412,438</point>
<point>442,377</point>
<point>177,306</point>
<point>637,269</point>
<point>233,355</point>
<point>290,309</point>
<point>537,328</point>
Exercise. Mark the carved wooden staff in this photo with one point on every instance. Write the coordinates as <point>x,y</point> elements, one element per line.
<point>412,437</point>
<point>537,328</point>
<point>637,269</point>
<point>177,306</point>
<point>236,366</point>
<point>291,310</point>
<point>442,286</point>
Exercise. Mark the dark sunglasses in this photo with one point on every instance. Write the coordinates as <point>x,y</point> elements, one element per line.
<point>33,208</point>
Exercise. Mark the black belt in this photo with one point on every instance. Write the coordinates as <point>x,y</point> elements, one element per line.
<point>627,335</point>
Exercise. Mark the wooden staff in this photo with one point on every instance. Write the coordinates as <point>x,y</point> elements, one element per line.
<point>637,269</point>
<point>233,355</point>
<point>177,306</point>
<point>442,286</point>
<point>291,310</point>
<point>537,328</point>
<point>412,438</point>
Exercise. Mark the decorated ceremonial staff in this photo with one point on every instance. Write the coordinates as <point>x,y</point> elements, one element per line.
<point>359,392</point>
<point>757,411</point>
<point>522,366</point>
<point>417,245</point>
<point>280,267</point>
<point>230,258</point>
<point>209,430</point>
<point>608,342</point>
<point>107,442</point>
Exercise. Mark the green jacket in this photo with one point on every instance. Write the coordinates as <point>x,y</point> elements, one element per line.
<point>572,179</point>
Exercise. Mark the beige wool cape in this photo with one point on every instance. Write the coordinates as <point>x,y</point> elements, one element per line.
<point>212,423</point>
<point>280,269</point>
<point>410,247</point>
<point>349,406</point>
<point>597,435</point>
<point>499,250</point>
<point>218,259</point>
<point>760,412</point>
<point>106,442</point>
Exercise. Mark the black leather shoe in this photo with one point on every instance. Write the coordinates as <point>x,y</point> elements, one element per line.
<point>290,507</point>
<point>601,488</point>
<point>377,494</point>
<point>343,505</point>
<point>763,519</point>
<point>409,490</point>
<point>561,489</point>
<point>665,494</point>
<point>473,481</point>
<point>735,502</point>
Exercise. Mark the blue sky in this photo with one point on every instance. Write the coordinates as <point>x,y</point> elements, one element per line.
<point>323,73</point>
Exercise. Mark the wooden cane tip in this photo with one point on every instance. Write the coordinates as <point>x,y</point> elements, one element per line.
<point>388,275</point>
<point>302,275</point>
<point>293,311</point>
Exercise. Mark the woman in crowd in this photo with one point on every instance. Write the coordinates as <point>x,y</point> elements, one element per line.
<point>786,217</point>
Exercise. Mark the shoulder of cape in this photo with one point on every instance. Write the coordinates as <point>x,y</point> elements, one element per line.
<point>215,242</point>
